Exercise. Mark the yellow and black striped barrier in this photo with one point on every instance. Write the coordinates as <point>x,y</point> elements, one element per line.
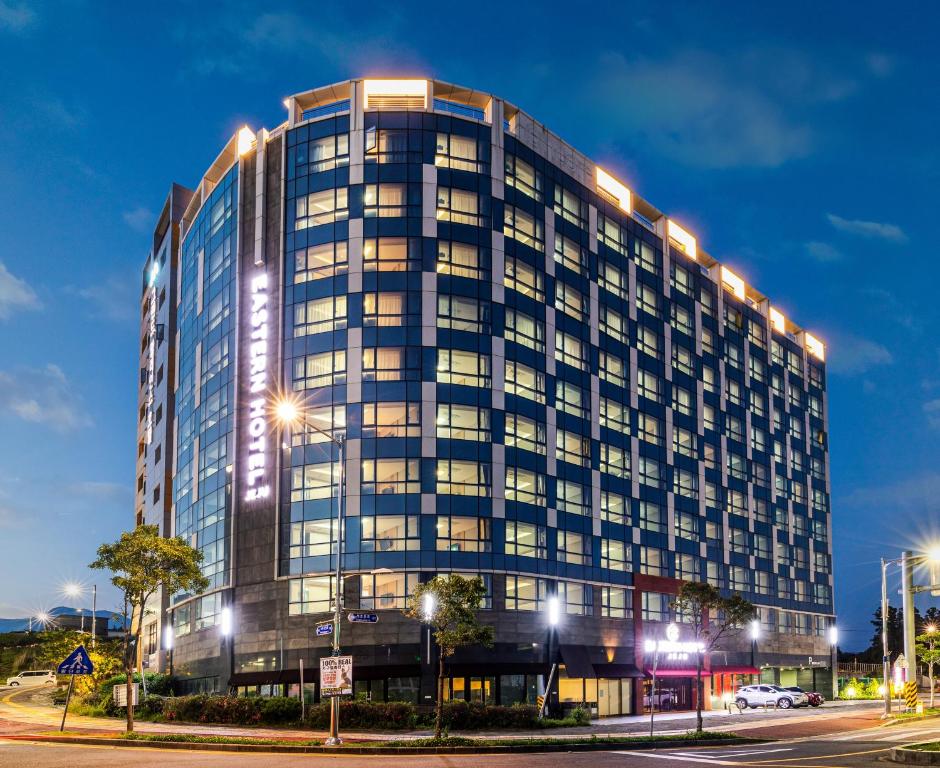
<point>910,695</point>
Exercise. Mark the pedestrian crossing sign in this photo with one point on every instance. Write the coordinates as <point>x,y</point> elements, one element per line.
<point>77,663</point>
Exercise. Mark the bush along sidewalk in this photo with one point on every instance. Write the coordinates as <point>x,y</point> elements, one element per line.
<point>354,714</point>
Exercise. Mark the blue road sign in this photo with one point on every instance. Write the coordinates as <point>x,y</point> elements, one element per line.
<point>324,629</point>
<point>77,663</point>
<point>363,618</point>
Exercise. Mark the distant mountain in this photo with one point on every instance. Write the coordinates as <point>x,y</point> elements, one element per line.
<point>22,625</point>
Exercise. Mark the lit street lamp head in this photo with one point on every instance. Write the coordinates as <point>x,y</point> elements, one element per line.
<point>833,635</point>
<point>755,629</point>
<point>427,606</point>
<point>554,611</point>
<point>71,589</point>
<point>286,411</point>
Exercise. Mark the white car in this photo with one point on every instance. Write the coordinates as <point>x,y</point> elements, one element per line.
<point>755,696</point>
<point>29,679</point>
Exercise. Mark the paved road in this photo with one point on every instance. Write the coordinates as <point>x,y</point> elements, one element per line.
<point>860,748</point>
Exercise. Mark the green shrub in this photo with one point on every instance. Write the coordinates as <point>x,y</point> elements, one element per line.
<point>392,715</point>
<point>280,709</point>
<point>581,716</point>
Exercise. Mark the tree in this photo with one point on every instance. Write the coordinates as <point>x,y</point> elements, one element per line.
<point>712,618</point>
<point>141,562</point>
<point>925,646</point>
<point>450,605</point>
<point>56,645</point>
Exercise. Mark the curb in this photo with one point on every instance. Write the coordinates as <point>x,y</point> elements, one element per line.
<point>914,756</point>
<point>598,746</point>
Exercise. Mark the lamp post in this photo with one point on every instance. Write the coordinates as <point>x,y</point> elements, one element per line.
<point>931,630</point>
<point>288,413</point>
<point>755,633</point>
<point>74,590</point>
<point>834,646</point>
<point>226,629</point>
<point>553,606</point>
<point>427,607</point>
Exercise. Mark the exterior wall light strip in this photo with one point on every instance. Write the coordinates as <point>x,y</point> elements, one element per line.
<point>615,189</point>
<point>685,241</point>
<point>815,346</point>
<point>382,90</point>
<point>733,282</point>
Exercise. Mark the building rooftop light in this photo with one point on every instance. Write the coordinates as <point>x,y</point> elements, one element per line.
<point>246,140</point>
<point>615,189</point>
<point>683,239</point>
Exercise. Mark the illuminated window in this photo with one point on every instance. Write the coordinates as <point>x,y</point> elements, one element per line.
<point>525,381</point>
<point>380,591</point>
<point>313,538</point>
<point>569,254</point>
<point>463,534</point>
<point>324,207</point>
<point>320,155</point>
<point>613,369</point>
<point>314,481</point>
<point>317,421</point>
<point>613,324</point>
<point>615,508</point>
<point>611,234</point>
<point>313,594</point>
<point>573,549</point>
<point>385,200</point>
<point>523,227</point>
<point>463,478</point>
<point>391,363</point>
<point>525,540</point>
<point>572,497</point>
<point>524,278</point>
<point>390,533</point>
<point>455,366</point>
<point>570,301</point>
<point>571,398</point>
<point>389,146</point>
<point>525,330</point>
<point>615,460</point>
<point>394,419</point>
<point>523,432</point>
<point>522,176</point>
<point>462,260</point>
<point>319,261</point>
<point>573,448</point>
<point>457,152</point>
<point>320,370</point>
<point>570,207</point>
<point>463,313</point>
<point>526,593</point>
<point>389,476</point>
<point>615,415</point>
<point>320,315</point>
<point>577,598</point>
<point>391,254</point>
<point>384,308</point>
<point>526,486</point>
<point>459,206</point>
<point>613,279</point>
<point>616,602</point>
<point>463,422</point>
<point>572,351</point>
<point>615,555</point>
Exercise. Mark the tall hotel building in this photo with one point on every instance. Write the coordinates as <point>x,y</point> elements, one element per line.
<point>540,378</point>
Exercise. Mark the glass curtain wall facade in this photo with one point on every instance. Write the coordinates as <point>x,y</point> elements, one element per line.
<point>536,382</point>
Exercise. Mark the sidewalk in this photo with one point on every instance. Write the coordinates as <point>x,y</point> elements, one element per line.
<point>27,711</point>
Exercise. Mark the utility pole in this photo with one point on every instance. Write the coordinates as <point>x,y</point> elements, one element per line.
<point>885,658</point>
<point>907,600</point>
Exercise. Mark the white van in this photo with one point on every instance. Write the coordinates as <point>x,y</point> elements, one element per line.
<point>28,679</point>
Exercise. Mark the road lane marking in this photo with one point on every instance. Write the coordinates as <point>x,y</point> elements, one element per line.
<point>673,756</point>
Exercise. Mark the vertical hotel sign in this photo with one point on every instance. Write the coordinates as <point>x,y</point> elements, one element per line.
<point>151,349</point>
<point>257,481</point>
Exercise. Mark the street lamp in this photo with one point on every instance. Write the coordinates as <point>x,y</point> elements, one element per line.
<point>553,617</point>
<point>834,643</point>
<point>755,634</point>
<point>288,412</point>
<point>428,604</point>
<point>73,589</point>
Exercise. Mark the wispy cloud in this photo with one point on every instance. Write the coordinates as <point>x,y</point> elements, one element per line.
<point>42,396</point>
<point>880,64</point>
<point>101,491</point>
<point>139,219</point>
<point>823,252</point>
<point>713,111</point>
<point>851,355</point>
<point>112,298</point>
<point>16,17</point>
<point>931,411</point>
<point>15,294</point>
<point>870,229</point>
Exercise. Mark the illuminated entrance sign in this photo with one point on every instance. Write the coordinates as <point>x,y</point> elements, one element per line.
<point>671,648</point>
<point>256,466</point>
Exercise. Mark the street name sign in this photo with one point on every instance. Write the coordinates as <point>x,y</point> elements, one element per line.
<point>358,617</point>
<point>325,629</point>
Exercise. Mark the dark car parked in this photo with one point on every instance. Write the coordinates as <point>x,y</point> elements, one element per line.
<point>815,698</point>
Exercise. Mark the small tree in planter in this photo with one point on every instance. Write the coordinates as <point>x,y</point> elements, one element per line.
<point>450,605</point>
<point>712,618</point>
<point>141,562</point>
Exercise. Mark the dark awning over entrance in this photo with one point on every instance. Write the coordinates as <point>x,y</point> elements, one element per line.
<point>675,673</point>
<point>617,670</point>
<point>577,661</point>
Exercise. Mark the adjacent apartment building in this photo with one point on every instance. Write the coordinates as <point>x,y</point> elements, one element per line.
<point>540,379</point>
